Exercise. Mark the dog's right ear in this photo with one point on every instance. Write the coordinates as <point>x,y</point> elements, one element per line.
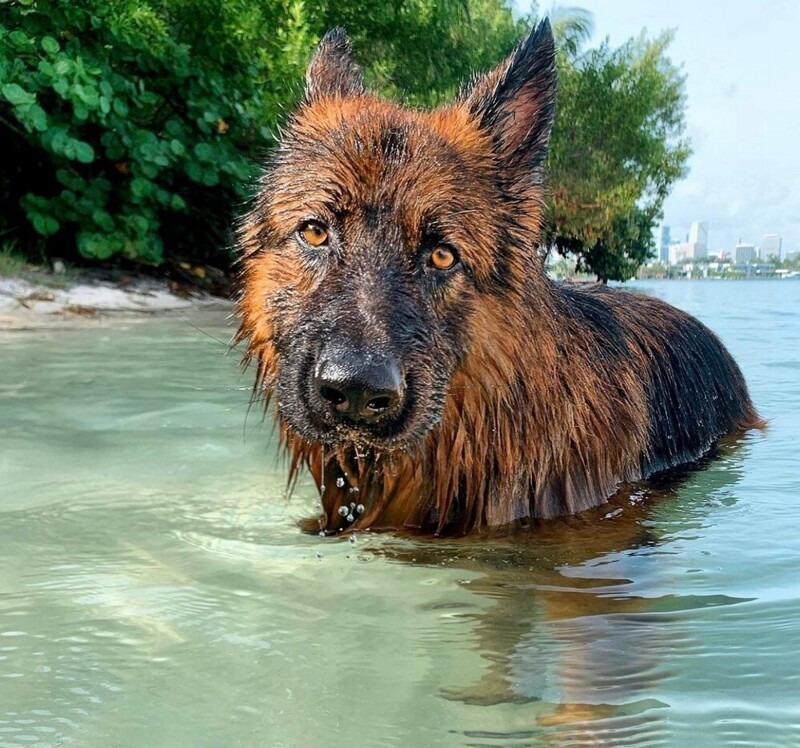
<point>332,70</point>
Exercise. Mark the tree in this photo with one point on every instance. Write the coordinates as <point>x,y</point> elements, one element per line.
<point>617,148</point>
<point>134,129</point>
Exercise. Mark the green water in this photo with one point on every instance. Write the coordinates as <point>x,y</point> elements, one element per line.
<point>154,590</point>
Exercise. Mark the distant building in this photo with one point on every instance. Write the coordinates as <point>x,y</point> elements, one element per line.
<point>698,240</point>
<point>770,247</point>
<point>663,246</point>
<point>744,253</point>
<point>694,248</point>
<point>680,252</point>
<point>698,235</point>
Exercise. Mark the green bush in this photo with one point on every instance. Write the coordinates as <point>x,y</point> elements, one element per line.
<point>132,128</point>
<point>132,123</point>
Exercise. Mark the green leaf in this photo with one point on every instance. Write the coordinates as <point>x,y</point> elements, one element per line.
<point>68,179</point>
<point>17,95</point>
<point>38,118</point>
<point>83,152</point>
<point>175,128</point>
<point>87,94</point>
<point>140,224</point>
<point>50,45</point>
<point>194,171</point>
<point>19,38</point>
<point>99,246</point>
<point>151,249</point>
<point>178,203</point>
<point>141,187</point>
<point>149,169</point>
<point>61,86</point>
<point>44,224</point>
<point>58,140</point>
<point>204,152</point>
<point>63,66</point>
<point>103,220</point>
<point>210,178</point>
<point>149,98</point>
<point>120,107</point>
<point>81,110</point>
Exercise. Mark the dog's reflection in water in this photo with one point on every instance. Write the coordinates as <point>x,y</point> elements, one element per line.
<point>583,614</point>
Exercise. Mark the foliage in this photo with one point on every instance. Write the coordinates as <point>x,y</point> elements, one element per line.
<point>617,149</point>
<point>421,51</point>
<point>130,121</point>
<point>135,125</point>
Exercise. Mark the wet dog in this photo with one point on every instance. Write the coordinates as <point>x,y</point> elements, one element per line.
<point>422,364</point>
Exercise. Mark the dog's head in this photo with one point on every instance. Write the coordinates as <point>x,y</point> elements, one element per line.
<point>378,235</point>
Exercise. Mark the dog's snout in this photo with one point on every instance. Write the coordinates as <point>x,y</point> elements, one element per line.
<point>359,389</point>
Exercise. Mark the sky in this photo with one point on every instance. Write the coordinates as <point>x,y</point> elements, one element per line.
<point>742,62</point>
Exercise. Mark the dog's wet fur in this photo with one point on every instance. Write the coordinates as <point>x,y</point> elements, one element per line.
<point>423,366</point>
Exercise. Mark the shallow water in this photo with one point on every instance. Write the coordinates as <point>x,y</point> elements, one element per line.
<point>154,589</point>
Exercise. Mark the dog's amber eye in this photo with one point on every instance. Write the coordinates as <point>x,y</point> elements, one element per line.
<point>443,257</point>
<point>314,233</point>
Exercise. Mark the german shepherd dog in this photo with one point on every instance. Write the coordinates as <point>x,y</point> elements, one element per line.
<point>424,367</point>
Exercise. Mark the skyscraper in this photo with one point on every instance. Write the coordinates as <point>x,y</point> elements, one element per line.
<point>698,238</point>
<point>770,246</point>
<point>663,246</point>
<point>744,253</point>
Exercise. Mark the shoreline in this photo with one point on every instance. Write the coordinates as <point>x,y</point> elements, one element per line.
<point>45,300</point>
<point>37,300</point>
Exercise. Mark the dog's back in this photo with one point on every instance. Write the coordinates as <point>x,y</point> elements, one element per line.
<point>695,391</point>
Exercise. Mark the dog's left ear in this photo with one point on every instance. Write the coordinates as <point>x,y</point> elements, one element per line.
<point>516,104</point>
<point>332,70</point>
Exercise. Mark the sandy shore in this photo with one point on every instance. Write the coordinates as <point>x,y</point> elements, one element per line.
<point>25,304</point>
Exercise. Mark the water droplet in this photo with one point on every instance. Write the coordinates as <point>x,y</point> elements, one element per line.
<point>360,509</point>
<point>350,517</point>
<point>322,533</point>
<point>340,482</point>
<point>343,511</point>
<point>352,504</point>
<point>354,489</point>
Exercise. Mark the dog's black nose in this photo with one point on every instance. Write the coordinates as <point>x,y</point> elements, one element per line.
<point>359,389</point>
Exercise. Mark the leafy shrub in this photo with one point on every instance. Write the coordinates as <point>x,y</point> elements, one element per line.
<point>134,125</point>
<point>131,122</point>
<point>133,128</point>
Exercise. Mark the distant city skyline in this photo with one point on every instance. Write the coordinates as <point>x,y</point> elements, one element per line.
<point>742,63</point>
<point>695,243</point>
